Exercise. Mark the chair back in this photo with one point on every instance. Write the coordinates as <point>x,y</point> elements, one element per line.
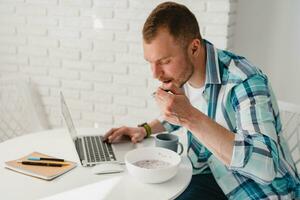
<point>20,109</point>
<point>290,118</point>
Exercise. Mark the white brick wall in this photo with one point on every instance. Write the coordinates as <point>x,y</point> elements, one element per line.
<point>92,50</point>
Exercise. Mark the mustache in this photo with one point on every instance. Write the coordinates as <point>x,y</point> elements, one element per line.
<point>165,79</point>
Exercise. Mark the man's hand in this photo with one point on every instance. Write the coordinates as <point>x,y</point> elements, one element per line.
<point>136,134</point>
<point>174,105</point>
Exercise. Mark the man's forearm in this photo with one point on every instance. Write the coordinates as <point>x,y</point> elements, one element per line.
<point>156,127</point>
<point>215,137</point>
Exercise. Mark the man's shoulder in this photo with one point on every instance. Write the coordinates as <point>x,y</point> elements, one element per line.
<point>237,68</point>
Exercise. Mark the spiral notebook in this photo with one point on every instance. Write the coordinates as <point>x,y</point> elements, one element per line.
<point>43,172</point>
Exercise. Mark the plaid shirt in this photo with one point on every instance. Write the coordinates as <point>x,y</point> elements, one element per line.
<point>239,97</point>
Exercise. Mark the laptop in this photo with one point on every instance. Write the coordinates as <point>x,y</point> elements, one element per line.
<point>91,149</point>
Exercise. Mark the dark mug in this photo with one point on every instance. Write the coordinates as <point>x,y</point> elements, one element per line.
<point>168,141</point>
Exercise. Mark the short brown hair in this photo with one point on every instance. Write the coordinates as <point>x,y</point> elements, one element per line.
<point>176,18</point>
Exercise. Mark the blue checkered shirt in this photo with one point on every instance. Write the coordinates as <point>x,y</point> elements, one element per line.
<point>239,97</point>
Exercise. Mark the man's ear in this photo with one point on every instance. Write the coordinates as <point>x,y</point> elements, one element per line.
<point>195,47</point>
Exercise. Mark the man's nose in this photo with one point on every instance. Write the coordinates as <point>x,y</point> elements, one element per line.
<point>156,71</point>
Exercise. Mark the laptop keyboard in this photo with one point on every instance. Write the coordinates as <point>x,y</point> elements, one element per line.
<point>98,151</point>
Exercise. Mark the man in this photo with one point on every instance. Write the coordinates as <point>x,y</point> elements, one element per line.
<point>224,102</point>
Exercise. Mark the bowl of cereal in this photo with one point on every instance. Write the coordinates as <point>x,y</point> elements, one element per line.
<point>152,164</point>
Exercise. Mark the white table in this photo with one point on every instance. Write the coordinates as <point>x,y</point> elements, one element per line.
<point>80,183</point>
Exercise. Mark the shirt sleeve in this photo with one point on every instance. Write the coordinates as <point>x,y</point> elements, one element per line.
<point>255,152</point>
<point>168,126</point>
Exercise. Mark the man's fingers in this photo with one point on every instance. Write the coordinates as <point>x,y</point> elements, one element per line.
<point>136,139</point>
<point>162,95</point>
<point>172,88</point>
<point>117,133</point>
<point>108,133</point>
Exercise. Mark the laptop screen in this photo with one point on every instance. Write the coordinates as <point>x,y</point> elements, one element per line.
<point>67,116</point>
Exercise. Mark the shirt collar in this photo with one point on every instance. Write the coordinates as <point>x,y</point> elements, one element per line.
<point>212,64</point>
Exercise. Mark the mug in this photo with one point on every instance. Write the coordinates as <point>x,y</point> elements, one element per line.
<point>168,141</point>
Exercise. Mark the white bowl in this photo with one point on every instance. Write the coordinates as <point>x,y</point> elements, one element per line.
<point>153,175</point>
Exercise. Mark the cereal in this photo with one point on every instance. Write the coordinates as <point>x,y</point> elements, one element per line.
<point>152,164</point>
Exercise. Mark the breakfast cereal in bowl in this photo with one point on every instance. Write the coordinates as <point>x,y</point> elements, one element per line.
<point>152,164</point>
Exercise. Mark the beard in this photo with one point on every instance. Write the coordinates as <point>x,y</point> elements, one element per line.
<point>186,74</point>
<point>183,77</point>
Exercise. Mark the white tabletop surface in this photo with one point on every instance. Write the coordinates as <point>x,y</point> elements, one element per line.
<point>79,183</point>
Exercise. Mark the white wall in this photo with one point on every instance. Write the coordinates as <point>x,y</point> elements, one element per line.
<point>92,50</point>
<point>267,32</point>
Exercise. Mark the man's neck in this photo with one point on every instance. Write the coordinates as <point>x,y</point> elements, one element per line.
<point>198,78</point>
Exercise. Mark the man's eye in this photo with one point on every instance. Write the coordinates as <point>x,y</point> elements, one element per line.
<point>166,62</point>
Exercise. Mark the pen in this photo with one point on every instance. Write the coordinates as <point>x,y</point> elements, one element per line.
<point>43,164</point>
<point>41,158</point>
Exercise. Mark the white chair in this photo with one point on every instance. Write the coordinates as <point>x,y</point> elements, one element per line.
<point>20,109</point>
<point>290,118</point>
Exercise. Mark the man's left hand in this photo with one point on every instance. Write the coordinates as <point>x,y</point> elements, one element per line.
<point>174,105</point>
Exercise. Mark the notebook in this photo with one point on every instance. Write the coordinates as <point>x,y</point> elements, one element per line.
<point>42,172</point>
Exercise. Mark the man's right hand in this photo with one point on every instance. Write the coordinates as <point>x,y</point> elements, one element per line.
<point>136,134</point>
